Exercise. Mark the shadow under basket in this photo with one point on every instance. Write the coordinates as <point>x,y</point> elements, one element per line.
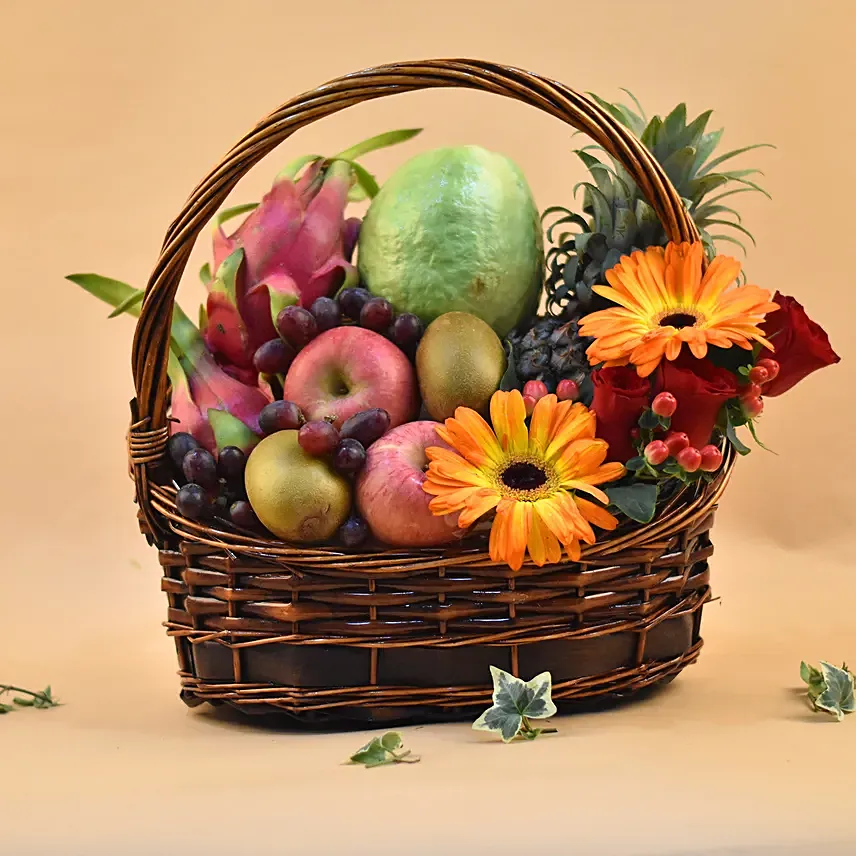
<point>332,636</point>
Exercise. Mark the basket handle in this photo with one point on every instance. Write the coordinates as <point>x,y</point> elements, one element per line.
<point>149,429</point>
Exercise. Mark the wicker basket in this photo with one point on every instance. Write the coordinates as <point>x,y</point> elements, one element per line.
<point>325,634</point>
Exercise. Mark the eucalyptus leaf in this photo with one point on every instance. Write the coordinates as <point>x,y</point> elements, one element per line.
<point>637,501</point>
<point>514,702</point>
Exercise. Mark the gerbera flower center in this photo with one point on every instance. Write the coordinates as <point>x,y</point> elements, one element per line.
<point>524,476</point>
<point>679,319</point>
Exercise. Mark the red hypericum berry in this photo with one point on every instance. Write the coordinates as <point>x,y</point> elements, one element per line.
<point>676,442</point>
<point>772,368</point>
<point>759,374</point>
<point>752,390</point>
<point>635,433</point>
<point>664,404</point>
<point>711,458</point>
<point>689,459</point>
<point>537,389</point>
<point>530,403</point>
<point>568,390</point>
<point>752,407</point>
<point>656,452</point>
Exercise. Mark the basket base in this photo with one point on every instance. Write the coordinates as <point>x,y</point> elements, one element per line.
<point>360,718</point>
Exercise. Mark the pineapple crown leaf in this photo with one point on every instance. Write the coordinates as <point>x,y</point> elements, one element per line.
<point>737,226</point>
<point>732,154</point>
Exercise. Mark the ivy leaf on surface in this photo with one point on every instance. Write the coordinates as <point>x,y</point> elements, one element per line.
<point>388,749</point>
<point>515,702</point>
<point>830,688</point>
<point>638,501</point>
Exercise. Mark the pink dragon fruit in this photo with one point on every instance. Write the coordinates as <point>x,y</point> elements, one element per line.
<point>290,249</point>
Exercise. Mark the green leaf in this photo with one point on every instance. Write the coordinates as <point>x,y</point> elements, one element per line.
<point>111,291</point>
<point>703,213</point>
<point>234,211</point>
<point>291,169</point>
<point>635,464</point>
<point>678,165</point>
<point>510,380</point>
<point>732,154</point>
<point>514,699</point>
<point>837,697</point>
<point>128,303</point>
<point>364,178</point>
<point>731,433</point>
<point>380,141</point>
<point>649,420</point>
<point>373,754</point>
<point>752,431</point>
<point>600,205</point>
<point>729,240</point>
<point>24,702</point>
<point>734,226</point>
<point>637,501</point>
<point>387,749</point>
<point>6,708</point>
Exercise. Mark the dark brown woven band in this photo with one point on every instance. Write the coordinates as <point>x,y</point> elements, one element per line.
<point>151,341</point>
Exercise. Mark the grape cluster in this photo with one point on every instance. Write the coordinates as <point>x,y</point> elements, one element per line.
<point>211,487</point>
<point>297,326</point>
<point>346,447</point>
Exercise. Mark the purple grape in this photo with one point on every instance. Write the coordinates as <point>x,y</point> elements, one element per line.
<point>377,315</point>
<point>349,457</point>
<point>280,416</point>
<point>200,467</point>
<point>192,501</point>
<point>407,330</point>
<point>231,463</point>
<point>297,326</point>
<point>366,427</point>
<point>273,357</point>
<point>327,313</point>
<point>318,438</point>
<point>353,532</point>
<point>241,514</point>
<point>220,508</point>
<point>352,301</point>
<point>179,445</point>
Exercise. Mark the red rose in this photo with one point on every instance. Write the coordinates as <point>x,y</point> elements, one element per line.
<point>620,396</point>
<point>801,346</point>
<point>701,389</point>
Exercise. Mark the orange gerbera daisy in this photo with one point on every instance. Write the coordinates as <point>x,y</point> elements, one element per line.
<point>664,301</point>
<point>531,477</point>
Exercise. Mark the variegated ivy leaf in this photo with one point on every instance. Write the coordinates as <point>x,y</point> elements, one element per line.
<point>830,688</point>
<point>515,702</point>
<point>388,749</point>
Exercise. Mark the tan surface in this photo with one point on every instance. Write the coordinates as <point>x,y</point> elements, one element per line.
<point>111,113</point>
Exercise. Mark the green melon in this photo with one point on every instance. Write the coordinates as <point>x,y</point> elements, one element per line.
<point>455,230</point>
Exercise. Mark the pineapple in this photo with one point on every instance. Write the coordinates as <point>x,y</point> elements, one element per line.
<point>619,220</point>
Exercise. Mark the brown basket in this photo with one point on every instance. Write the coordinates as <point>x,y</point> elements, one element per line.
<point>323,633</point>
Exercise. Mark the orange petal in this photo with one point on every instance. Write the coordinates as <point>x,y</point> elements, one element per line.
<point>508,415</point>
<point>479,503</point>
<point>551,547</point>
<point>539,427</point>
<point>517,534</point>
<point>573,548</point>
<point>450,502</point>
<point>550,512</point>
<point>596,514</point>
<point>582,485</point>
<point>480,432</point>
<point>580,458</point>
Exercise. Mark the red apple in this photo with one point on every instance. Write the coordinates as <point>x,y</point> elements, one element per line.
<point>347,370</point>
<point>389,489</point>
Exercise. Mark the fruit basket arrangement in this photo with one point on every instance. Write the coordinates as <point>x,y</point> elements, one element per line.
<point>400,449</point>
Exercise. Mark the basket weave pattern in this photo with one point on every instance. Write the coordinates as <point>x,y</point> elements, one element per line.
<point>318,631</point>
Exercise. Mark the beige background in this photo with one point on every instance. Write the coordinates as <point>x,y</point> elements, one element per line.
<point>111,113</point>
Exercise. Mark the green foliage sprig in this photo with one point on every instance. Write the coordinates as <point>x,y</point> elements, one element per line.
<point>515,704</point>
<point>27,698</point>
<point>830,689</point>
<point>388,749</point>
